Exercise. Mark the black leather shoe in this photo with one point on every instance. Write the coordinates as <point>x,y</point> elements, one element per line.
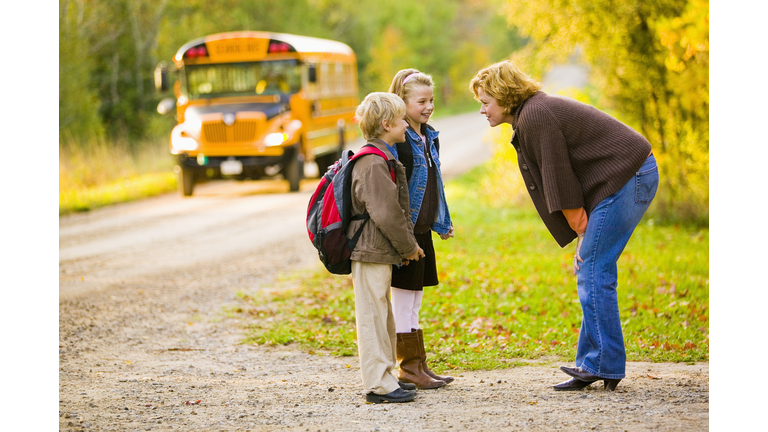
<point>572,384</point>
<point>580,374</point>
<point>397,396</point>
<point>406,386</point>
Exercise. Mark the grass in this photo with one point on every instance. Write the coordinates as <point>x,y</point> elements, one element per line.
<point>507,293</point>
<point>100,173</point>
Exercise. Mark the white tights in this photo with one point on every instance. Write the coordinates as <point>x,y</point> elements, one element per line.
<point>405,305</point>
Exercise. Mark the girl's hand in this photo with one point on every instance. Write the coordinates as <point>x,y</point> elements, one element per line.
<point>448,235</point>
<point>577,256</point>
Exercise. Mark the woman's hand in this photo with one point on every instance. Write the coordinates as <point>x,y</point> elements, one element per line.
<point>448,235</point>
<point>577,256</point>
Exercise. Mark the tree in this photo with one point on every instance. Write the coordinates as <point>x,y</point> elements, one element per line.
<point>78,101</point>
<point>650,63</point>
<point>108,50</point>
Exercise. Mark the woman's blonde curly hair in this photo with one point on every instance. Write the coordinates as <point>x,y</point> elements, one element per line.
<point>504,82</point>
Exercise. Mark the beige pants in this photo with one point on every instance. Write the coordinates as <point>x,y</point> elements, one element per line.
<point>376,337</point>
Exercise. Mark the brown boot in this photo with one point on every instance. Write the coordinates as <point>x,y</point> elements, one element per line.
<point>423,354</point>
<point>409,357</point>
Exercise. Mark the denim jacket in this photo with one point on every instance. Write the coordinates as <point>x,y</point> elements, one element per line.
<point>418,181</point>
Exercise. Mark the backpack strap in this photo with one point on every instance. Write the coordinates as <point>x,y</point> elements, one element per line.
<point>372,149</point>
<point>353,241</point>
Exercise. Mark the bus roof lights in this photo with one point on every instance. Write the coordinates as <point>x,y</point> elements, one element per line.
<point>277,47</point>
<point>196,51</point>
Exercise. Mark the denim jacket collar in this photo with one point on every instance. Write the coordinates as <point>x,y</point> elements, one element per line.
<point>430,134</point>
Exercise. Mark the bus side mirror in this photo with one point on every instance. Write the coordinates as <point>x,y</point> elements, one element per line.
<point>312,73</point>
<point>162,78</point>
<point>166,105</point>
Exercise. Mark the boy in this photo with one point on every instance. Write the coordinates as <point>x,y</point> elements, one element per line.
<point>386,239</point>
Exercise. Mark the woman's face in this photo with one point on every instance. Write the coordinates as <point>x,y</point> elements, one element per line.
<point>489,107</point>
<point>419,106</point>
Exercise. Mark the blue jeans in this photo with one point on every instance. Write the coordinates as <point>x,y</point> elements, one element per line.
<point>601,343</point>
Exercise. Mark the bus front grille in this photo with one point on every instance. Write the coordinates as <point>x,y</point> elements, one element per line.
<point>241,131</point>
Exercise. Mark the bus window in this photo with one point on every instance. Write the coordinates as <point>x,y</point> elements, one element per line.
<point>241,79</point>
<point>325,82</point>
<point>339,78</point>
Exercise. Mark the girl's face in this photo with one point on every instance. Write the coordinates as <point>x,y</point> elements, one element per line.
<point>419,106</point>
<point>489,107</point>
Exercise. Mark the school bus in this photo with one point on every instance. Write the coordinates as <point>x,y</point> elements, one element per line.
<point>255,104</point>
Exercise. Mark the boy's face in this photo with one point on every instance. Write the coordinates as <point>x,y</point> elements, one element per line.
<point>396,131</point>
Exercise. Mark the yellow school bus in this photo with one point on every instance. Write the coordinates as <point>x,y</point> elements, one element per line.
<point>256,104</point>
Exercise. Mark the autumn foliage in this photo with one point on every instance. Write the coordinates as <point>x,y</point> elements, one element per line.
<point>649,65</point>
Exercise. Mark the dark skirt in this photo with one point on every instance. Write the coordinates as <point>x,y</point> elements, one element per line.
<point>418,274</point>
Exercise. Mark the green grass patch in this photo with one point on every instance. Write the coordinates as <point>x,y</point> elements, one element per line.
<point>122,190</point>
<point>97,173</point>
<point>507,293</point>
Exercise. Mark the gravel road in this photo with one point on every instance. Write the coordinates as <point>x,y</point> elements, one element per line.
<point>145,342</point>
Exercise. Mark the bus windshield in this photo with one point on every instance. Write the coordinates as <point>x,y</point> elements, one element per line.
<point>242,79</point>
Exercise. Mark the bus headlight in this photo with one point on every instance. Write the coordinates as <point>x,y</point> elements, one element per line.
<point>183,143</point>
<point>275,139</point>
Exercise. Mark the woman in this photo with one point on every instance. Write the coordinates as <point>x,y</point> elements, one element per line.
<point>591,178</point>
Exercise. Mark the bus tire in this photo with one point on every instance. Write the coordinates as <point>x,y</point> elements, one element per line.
<point>186,181</point>
<point>293,171</point>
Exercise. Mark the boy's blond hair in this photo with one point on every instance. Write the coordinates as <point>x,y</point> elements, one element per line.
<point>504,82</point>
<point>375,108</point>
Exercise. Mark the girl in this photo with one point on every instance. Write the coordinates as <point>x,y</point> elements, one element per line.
<point>429,212</point>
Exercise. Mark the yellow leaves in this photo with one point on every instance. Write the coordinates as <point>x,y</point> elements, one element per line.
<point>686,35</point>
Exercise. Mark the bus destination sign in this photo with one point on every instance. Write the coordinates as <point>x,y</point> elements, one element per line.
<point>237,49</point>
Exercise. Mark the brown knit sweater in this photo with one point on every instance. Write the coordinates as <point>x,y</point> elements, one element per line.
<point>572,155</point>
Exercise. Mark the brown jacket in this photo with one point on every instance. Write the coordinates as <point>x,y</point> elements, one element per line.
<point>388,236</point>
<point>572,155</point>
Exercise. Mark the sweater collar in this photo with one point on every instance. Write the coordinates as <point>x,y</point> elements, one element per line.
<point>519,108</point>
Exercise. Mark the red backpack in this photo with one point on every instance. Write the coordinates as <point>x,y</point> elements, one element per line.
<point>330,211</point>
